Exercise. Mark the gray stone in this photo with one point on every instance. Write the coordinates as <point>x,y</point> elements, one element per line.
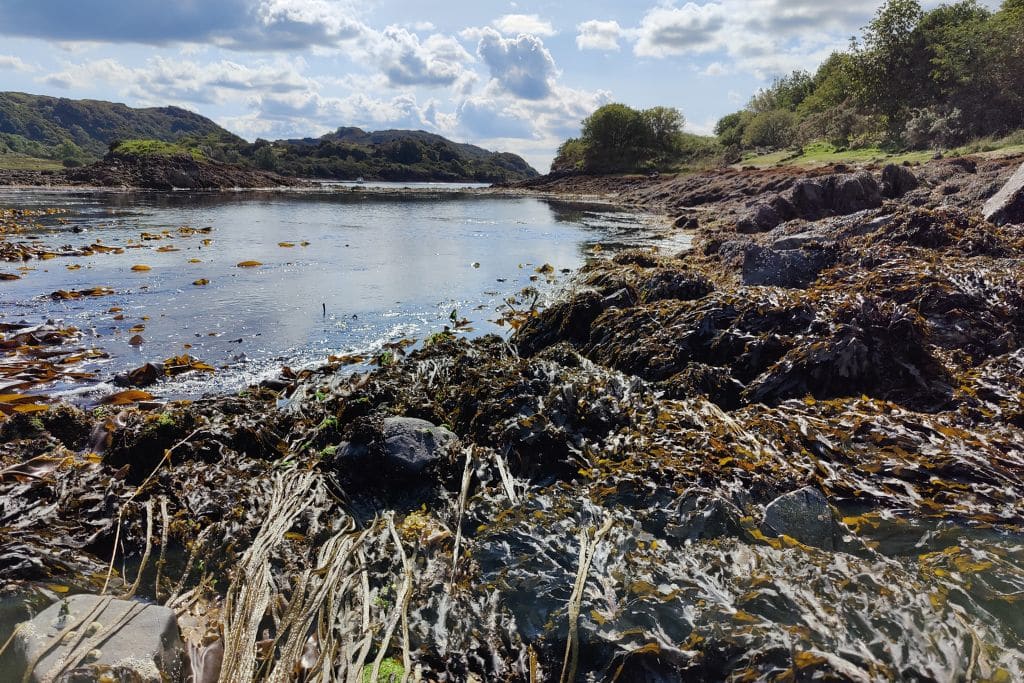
<point>1007,206</point>
<point>131,640</point>
<point>410,445</point>
<point>784,267</point>
<point>840,194</point>
<point>804,515</point>
<point>897,181</point>
<point>799,240</point>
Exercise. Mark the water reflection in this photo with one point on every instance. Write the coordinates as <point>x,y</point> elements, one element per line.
<point>382,265</point>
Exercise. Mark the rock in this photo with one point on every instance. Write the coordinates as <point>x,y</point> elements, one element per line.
<point>687,223</point>
<point>842,194</point>
<point>411,445</point>
<point>1007,206</point>
<point>897,181</point>
<point>784,267</point>
<point>852,193</point>
<point>133,641</point>
<point>799,240</point>
<point>804,515</point>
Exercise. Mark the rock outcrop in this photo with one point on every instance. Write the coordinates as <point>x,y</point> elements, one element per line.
<point>1007,206</point>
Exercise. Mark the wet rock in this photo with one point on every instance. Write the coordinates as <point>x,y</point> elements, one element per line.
<point>411,445</point>
<point>804,515</point>
<point>130,640</point>
<point>675,284</point>
<point>1007,206</point>
<point>784,267</point>
<point>897,181</point>
<point>565,321</point>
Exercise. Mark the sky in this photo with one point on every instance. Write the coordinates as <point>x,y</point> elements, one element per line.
<point>509,76</point>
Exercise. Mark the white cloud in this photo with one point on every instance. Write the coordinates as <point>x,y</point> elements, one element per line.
<point>406,60</point>
<point>13,63</point>
<point>521,66</point>
<point>666,31</point>
<point>163,81</point>
<point>530,24</point>
<point>599,35</point>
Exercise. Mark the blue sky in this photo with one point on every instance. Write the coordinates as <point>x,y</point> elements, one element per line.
<point>514,76</point>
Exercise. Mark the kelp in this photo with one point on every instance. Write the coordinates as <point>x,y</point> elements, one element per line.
<point>604,514</point>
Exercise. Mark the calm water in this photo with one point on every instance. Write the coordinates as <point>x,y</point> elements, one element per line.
<point>386,266</point>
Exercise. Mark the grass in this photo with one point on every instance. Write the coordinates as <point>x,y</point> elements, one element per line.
<point>148,148</point>
<point>823,153</point>
<point>20,162</point>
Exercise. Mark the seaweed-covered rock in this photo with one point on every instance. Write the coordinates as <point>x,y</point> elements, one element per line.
<point>130,640</point>
<point>411,445</point>
<point>898,180</point>
<point>784,267</point>
<point>1007,206</point>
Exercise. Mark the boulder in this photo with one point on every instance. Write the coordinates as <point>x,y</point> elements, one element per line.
<point>411,445</point>
<point>1007,206</point>
<point>804,515</point>
<point>130,640</point>
<point>840,194</point>
<point>897,181</point>
<point>784,267</point>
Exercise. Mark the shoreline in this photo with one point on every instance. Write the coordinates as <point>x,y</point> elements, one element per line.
<point>812,402</point>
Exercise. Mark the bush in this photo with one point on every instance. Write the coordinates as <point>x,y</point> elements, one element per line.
<point>774,129</point>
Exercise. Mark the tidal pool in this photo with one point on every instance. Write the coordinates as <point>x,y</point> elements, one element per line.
<point>341,272</point>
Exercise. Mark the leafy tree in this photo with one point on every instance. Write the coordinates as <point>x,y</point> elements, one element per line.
<point>894,62</point>
<point>614,136</point>
<point>774,129</point>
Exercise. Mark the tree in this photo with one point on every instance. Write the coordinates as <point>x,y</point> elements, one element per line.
<point>664,124</point>
<point>894,62</point>
<point>773,129</point>
<point>730,128</point>
<point>614,136</point>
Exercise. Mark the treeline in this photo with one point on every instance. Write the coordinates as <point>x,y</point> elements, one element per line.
<point>916,79</point>
<point>403,159</point>
<point>617,138</point>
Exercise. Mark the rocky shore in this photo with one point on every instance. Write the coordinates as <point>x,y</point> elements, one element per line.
<point>157,172</point>
<point>792,452</point>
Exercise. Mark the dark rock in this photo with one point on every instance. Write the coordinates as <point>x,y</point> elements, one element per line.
<point>804,515</point>
<point>1007,206</point>
<point>800,240</point>
<point>897,181</point>
<point>687,223</point>
<point>785,267</point>
<point>411,445</point>
<point>814,199</point>
<point>130,640</point>
<point>675,284</point>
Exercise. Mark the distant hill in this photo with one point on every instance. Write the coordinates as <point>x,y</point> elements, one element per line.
<point>395,155</point>
<point>81,131</point>
<point>43,126</point>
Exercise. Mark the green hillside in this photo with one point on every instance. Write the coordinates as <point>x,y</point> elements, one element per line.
<point>81,130</point>
<point>41,132</point>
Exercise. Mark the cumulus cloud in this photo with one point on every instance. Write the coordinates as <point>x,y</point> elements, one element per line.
<point>13,63</point>
<point>521,66</point>
<point>762,37</point>
<point>598,35</point>
<point>250,25</point>
<point>666,31</point>
<point>407,60</point>
<point>531,24</point>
